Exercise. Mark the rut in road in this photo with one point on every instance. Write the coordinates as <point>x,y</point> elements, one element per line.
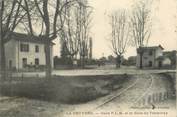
<point>145,93</point>
<point>129,95</point>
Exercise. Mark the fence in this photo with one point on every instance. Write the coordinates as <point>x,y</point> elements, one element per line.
<point>21,84</point>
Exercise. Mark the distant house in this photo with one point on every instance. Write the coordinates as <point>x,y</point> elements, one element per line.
<point>24,51</point>
<point>154,57</point>
<point>132,60</point>
<point>172,56</point>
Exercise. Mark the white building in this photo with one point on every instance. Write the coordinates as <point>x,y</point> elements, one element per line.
<point>24,51</point>
<point>152,57</point>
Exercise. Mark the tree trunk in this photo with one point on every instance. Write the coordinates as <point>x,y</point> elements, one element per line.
<point>1,39</point>
<point>1,68</point>
<point>48,60</point>
<point>3,60</point>
<point>83,62</point>
<point>80,58</point>
<point>141,60</point>
<point>140,52</point>
<point>72,60</point>
<point>118,61</point>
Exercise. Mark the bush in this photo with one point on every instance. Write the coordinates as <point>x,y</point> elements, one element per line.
<point>62,61</point>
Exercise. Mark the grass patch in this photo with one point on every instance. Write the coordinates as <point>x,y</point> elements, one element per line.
<point>65,89</point>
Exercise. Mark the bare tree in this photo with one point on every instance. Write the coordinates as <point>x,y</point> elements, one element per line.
<point>49,13</point>
<point>120,34</point>
<point>11,14</point>
<point>48,36</point>
<point>75,32</point>
<point>84,24</point>
<point>141,27</point>
<point>69,33</point>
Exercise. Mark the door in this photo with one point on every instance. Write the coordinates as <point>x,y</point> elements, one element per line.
<point>24,62</point>
<point>36,61</point>
<point>160,64</point>
<point>10,64</point>
<point>150,63</point>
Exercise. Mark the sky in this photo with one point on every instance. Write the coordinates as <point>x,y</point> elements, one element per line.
<point>164,23</point>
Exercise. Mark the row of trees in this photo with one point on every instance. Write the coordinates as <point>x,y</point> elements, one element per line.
<point>53,18</point>
<point>75,35</point>
<point>126,29</point>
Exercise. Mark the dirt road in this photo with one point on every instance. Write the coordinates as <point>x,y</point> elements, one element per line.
<point>142,92</point>
<point>88,72</point>
<point>137,92</point>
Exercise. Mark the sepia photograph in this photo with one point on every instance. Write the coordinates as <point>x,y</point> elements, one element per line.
<point>88,58</point>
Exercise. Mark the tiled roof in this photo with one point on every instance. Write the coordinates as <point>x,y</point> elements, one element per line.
<point>26,38</point>
<point>152,47</point>
<point>169,53</point>
<point>161,58</point>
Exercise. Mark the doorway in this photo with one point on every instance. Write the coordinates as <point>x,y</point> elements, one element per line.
<point>10,64</point>
<point>24,62</point>
<point>160,64</point>
<point>150,63</point>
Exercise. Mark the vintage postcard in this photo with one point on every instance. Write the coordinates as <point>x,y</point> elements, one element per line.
<point>88,58</point>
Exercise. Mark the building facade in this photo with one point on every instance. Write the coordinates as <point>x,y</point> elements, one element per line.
<point>23,51</point>
<point>172,56</point>
<point>153,57</point>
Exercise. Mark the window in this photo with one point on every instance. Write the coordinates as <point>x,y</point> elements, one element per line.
<point>36,48</point>
<point>10,64</point>
<point>150,63</point>
<point>145,57</point>
<point>24,62</point>
<point>36,61</point>
<point>24,47</point>
<point>150,52</point>
<point>160,64</point>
